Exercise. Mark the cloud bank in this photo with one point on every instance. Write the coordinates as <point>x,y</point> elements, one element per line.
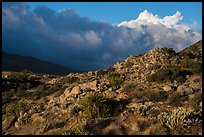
<point>66,38</point>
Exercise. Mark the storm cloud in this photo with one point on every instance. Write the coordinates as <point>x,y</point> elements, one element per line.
<point>65,38</point>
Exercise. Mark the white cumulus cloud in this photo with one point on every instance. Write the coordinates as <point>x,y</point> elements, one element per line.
<point>165,31</point>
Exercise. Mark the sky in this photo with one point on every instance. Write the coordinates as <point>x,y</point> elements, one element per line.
<point>91,36</point>
<point>116,12</point>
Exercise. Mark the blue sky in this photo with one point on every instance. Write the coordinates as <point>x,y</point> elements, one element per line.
<point>116,12</point>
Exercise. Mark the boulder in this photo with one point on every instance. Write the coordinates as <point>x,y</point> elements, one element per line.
<point>17,124</point>
<point>185,88</point>
<point>93,84</point>
<point>181,88</point>
<point>167,88</point>
<point>64,96</point>
<point>67,92</point>
<point>8,122</point>
<point>110,94</point>
<point>189,90</point>
<point>195,86</point>
<point>191,96</point>
<point>200,104</point>
<point>62,99</point>
<point>122,95</point>
<point>76,90</point>
<point>53,101</point>
<point>90,85</point>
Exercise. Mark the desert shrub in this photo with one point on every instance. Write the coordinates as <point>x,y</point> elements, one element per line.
<point>194,103</point>
<point>21,76</point>
<point>110,69</point>
<point>53,89</point>
<point>159,76</point>
<point>157,96</point>
<point>39,92</point>
<point>95,105</point>
<point>180,118</point>
<point>20,92</point>
<point>186,62</point>
<point>174,99</point>
<point>133,90</point>
<point>102,72</point>
<point>28,85</point>
<point>41,88</point>
<point>15,108</point>
<point>7,96</point>
<point>130,87</point>
<point>144,110</point>
<point>149,95</point>
<point>180,79</point>
<point>70,80</point>
<point>196,67</point>
<point>114,80</point>
<point>162,130</point>
<point>37,107</point>
<point>171,51</point>
<point>169,73</point>
<point>75,110</point>
<point>155,66</point>
<point>77,131</point>
<point>128,64</point>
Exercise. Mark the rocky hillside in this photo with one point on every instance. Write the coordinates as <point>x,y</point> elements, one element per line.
<point>158,93</point>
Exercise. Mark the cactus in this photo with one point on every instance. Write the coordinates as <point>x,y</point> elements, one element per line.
<point>179,117</point>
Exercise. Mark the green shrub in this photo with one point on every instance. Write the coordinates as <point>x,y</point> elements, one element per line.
<point>128,64</point>
<point>157,96</point>
<point>115,80</point>
<point>39,92</point>
<point>53,89</point>
<point>194,103</point>
<point>102,72</point>
<point>169,73</point>
<point>132,90</point>
<point>196,67</point>
<point>41,88</point>
<point>180,79</point>
<point>159,76</point>
<point>174,99</point>
<point>154,67</point>
<point>21,76</point>
<point>95,105</point>
<point>171,51</point>
<point>14,109</point>
<point>70,80</point>
<point>20,92</point>
<point>186,62</point>
<point>153,96</point>
<point>28,85</point>
<point>110,69</point>
<point>7,96</point>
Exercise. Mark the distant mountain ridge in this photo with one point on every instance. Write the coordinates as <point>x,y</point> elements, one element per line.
<point>13,62</point>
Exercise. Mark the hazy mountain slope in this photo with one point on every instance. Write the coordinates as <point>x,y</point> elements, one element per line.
<point>12,62</point>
